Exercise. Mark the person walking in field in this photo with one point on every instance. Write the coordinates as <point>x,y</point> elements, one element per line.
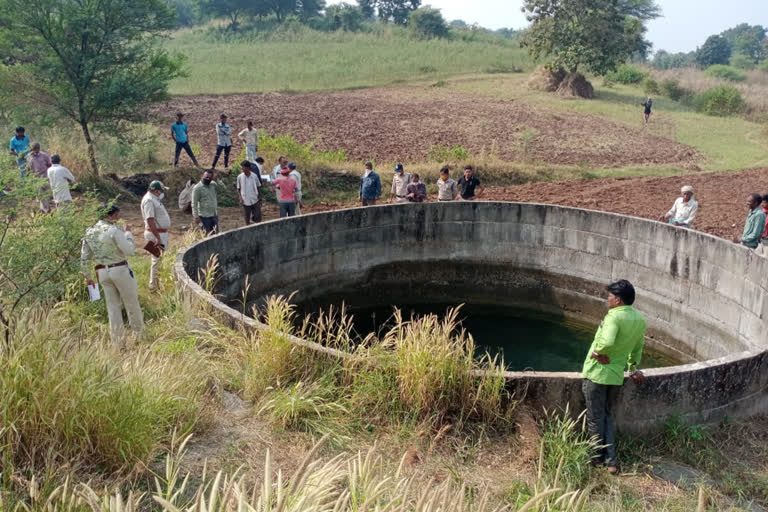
<point>19,147</point>
<point>180,135</point>
<point>648,104</point>
<point>108,246</point>
<point>370,186</point>
<point>205,203</point>
<point>224,142</point>
<point>287,189</point>
<point>417,190</point>
<point>755,224</point>
<point>157,222</point>
<point>469,185</point>
<point>296,175</point>
<point>447,190</point>
<point>60,179</point>
<point>400,182</point>
<point>248,184</point>
<point>683,212</point>
<point>39,162</point>
<point>618,345</point>
<point>250,137</point>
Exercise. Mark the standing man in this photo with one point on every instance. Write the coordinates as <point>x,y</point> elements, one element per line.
<point>618,345</point>
<point>205,204</point>
<point>224,136</point>
<point>447,190</point>
<point>684,210</point>
<point>180,135</point>
<point>370,186</point>
<point>287,197</point>
<point>755,225</point>
<point>248,184</point>
<point>60,179</point>
<point>467,185</point>
<point>296,175</point>
<point>109,246</point>
<point>39,162</point>
<point>19,148</point>
<point>647,105</point>
<point>417,190</point>
<point>282,163</point>
<point>250,137</point>
<point>157,222</point>
<point>400,182</point>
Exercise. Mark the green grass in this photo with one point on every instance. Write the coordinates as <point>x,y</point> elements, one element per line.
<point>315,61</point>
<point>726,143</point>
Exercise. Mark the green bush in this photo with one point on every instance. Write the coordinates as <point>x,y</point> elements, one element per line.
<point>627,74</point>
<point>763,66</point>
<point>742,62</point>
<point>651,86</point>
<point>671,88</point>
<point>726,73</point>
<point>427,23</point>
<point>721,101</point>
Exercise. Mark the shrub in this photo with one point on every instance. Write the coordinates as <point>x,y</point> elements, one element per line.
<point>344,17</point>
<point>443,154</point>
<point>763,66</point>
<point>627,74</point>
<point>651,86</point>
<point>720,101</point>
<point>427,23</point>
<point>726,73</point>
<point>742,61</point>
<point>566,451</point>
<point>671,88</point>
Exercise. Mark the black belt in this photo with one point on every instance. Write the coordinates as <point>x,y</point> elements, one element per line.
<point>118,264</point>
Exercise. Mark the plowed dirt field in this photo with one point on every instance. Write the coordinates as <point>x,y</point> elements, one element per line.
<point>402,124</point>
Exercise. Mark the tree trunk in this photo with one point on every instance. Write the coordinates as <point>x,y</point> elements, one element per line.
<point>91,149</point>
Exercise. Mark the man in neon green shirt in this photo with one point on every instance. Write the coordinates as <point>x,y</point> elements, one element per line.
<point>618,345</point>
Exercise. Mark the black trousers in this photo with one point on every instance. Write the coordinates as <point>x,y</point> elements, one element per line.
<point>219,149</point>
<point>185,147</point>
<point>600,422</point>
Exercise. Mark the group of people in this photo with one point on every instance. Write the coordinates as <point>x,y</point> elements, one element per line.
<point>408,188</point>
<point>755,234</point>
<point>29,157</point>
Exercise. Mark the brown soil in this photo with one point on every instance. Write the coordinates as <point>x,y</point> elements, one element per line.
<point>402,124</point>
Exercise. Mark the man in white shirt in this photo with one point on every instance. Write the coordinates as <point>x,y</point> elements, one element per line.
<point>60,180</point>
<point>282,163</point>
<point>248,184</point>
<point>224,142</point>
<point>157,222</point>
<point>296,193</point>
<point>684,210</point>
<point>250,137</point>
<point>400,182</point>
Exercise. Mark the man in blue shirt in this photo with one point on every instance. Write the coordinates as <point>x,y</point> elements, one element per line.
<point>755,225</point>
<point>180,135</point>
<point>370,186</point>
<point>20,148</point>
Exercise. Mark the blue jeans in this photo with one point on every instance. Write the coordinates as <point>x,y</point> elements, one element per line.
<point>287,208</point>
<point>250,153</point>
<point>682,224</point>
<point>600,399</point>
<point>210,224</point>
<point>21,163</point>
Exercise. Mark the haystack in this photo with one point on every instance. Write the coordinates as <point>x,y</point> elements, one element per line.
<point>574,85</point>
<point>545,80</point>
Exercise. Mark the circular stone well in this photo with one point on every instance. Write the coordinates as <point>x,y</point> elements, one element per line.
<point>705,299</point>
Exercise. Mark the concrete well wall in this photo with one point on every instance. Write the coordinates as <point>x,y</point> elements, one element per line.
<point>705,299</point>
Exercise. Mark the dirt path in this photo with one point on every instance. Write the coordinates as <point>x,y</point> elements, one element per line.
<point>390,124</point>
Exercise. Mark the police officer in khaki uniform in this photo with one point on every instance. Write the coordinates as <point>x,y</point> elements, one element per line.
<point>108,246</point>
<point>157,222</point>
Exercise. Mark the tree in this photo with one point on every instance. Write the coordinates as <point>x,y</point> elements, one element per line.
<point>368,7</point>
<point>304,9</point>
<point>95,61</point>
<point>39,254</point>
<point>746,39</point>
<point>233,10</point>
<point>427,23</point>
<point>391,10</point>
<point>344,16</point>
<point>665,60</point>
<point>575,34</point>
<point>716,50</point>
